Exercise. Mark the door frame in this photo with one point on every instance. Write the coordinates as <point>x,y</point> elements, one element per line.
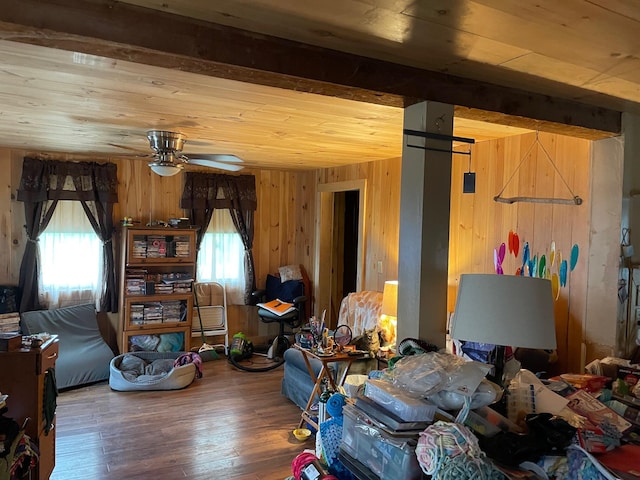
<point>324,233</point>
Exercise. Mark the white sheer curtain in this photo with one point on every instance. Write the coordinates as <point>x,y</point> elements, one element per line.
<point>221,257</point>
<point>71,268</point>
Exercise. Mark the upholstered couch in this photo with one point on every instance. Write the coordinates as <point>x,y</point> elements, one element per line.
<point>360,311</point>
<point>296,382</point>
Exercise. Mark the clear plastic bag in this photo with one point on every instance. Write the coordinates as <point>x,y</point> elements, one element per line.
<point>425,374</point>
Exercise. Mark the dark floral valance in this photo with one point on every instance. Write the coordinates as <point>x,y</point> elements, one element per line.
<point>218,190</point>
<point>59,180</point>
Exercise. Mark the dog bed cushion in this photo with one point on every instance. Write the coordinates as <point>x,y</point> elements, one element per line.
<point>150,371</point>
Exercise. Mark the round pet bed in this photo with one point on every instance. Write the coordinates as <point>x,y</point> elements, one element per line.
<point>149,371</point>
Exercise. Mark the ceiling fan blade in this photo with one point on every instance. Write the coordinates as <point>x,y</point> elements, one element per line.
<point>215,157</point>
<point>204,162</point>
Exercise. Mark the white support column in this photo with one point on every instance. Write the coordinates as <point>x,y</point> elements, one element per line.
<point>424,224</point>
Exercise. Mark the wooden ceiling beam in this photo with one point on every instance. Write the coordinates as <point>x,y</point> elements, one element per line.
<point>127,32</point>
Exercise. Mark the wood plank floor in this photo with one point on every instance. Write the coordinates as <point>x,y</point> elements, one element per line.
<point>230,424</point>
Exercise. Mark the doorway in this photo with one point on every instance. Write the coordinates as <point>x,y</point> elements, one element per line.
<point>340,245</point>
<point>344,268</point>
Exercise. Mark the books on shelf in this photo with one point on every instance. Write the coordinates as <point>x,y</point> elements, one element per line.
<point>278,307</point>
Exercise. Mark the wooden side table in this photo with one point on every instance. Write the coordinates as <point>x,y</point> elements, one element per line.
<point>324,373</point>
<point>22,377</point>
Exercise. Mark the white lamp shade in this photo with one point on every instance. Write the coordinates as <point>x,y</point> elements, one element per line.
<point>505,310</point>
<point>165,170</point>
<point>390,298</point>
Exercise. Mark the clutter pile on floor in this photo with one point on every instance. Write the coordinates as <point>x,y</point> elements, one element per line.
<point>435,414</point>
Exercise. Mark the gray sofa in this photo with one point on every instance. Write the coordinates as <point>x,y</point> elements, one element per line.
<point>296,382</point>
<point>83,355</point>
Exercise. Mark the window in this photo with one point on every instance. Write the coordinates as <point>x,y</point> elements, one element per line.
<point>70,258</point>
<point>221,256</point>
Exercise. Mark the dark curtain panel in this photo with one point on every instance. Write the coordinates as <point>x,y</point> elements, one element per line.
<point>241,192</point>
<point>203,193</point>
<point>37,215</point>
<point>99,211</point>
<point>43,183</point>
<point>200,218</point>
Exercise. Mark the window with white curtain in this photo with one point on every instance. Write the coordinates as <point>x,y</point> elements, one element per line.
<point>221,256</point>
<point>70,258</point>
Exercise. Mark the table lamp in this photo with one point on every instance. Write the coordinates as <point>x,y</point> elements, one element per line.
<point>504,310</point>
<point>389,311</point>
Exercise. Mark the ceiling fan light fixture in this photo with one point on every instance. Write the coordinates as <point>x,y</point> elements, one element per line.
<point>165,169</point>
<point>169,160</point>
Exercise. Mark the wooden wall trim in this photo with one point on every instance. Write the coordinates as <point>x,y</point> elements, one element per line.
<point>129,32</point>
<point>324,224</point>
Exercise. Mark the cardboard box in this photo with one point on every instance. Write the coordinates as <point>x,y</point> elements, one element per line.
<point>10,341</point>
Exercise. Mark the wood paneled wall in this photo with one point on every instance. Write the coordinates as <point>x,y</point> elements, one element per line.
<point>382,218</point>
<point>285,219</point>
<point>12,233</point>
<point>479,224</point>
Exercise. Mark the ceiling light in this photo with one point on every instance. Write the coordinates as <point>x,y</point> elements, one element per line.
<point>165,169</point>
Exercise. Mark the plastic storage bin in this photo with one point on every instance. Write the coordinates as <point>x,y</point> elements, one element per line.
<point>406,408</point>
<point>386,456</point>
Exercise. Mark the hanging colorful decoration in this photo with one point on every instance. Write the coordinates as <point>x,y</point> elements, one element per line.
<point>532,266</point>
<point>555,286</point>
<point>525,259</point>
<point>563,273</point>
<point>502,252</point>
<point>542,264</point>
<point>549,265</point>
<point>498,258</point>
<point>575,251</point>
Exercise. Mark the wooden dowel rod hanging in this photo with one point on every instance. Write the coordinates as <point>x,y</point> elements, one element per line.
<point>561,201</point>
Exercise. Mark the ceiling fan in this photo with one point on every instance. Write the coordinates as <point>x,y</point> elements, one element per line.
<point>169,160</point>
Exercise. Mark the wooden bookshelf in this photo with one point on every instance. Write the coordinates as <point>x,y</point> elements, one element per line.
<point>156,298</point>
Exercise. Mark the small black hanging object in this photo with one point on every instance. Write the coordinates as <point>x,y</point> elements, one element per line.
<point>469,183</point>
<point>469,180</point>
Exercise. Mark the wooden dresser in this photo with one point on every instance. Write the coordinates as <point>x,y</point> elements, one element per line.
<point>22,377</point>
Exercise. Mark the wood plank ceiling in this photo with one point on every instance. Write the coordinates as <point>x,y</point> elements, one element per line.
<point>71,83</point>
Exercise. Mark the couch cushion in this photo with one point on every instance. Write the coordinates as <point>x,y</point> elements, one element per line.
<point>294,358</point>
<point>84,356</point>
<point>290,272</point>
<point>286,291</point>
<point>296,382</point>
